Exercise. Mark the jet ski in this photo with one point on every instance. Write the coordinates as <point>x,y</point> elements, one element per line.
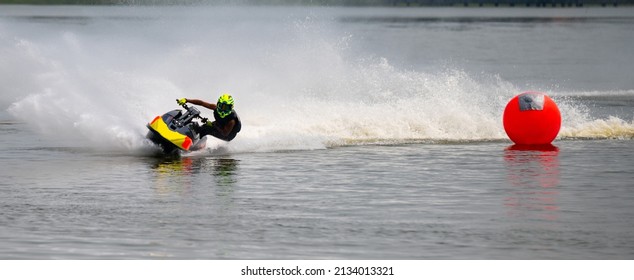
<point>175,131</point>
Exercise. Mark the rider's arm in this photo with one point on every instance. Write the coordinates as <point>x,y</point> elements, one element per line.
<point>227,128</point>
<point>210,106</point>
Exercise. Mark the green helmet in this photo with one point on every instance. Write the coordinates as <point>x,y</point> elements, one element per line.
<point>224,105</point>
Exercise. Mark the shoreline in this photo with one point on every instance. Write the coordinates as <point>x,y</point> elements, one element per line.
<point>345,3</point>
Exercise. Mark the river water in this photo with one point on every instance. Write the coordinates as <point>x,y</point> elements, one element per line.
<point>368,133</point>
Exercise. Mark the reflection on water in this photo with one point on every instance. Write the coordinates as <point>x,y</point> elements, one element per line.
<point>225,171</point>
<point>533,171</point>
<point>177,175</point>
<point>173,175</point>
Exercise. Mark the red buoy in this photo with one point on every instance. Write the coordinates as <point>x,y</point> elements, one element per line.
<point>532,118</point>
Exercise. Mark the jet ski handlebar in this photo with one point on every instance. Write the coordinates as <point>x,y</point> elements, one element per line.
<point>192,112</point>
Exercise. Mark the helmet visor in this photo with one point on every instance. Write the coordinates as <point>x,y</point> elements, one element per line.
<point>224,107</point>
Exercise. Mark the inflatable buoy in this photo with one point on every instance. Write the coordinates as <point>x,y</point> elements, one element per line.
<point>532,118</point>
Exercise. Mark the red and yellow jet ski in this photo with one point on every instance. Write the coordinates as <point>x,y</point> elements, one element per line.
<point>175,131</point>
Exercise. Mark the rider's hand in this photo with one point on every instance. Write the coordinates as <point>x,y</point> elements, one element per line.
<point>182,101</point>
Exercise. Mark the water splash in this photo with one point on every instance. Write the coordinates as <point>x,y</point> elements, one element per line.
<point>297,81</point>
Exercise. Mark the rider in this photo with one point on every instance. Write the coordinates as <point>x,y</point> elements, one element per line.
<point>227,123</point>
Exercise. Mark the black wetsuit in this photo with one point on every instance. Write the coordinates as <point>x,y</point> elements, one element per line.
<point>221,122</point>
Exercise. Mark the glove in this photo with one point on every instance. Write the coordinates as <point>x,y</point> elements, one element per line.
<point>209,123</point>
<point>181,101</point>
